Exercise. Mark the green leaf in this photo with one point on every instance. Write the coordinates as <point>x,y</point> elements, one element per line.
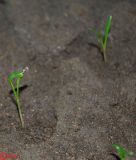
<point>16,74</point>
<point>102,37</point>
<point>122,152</point>
<point>107,30</point>
<point>97,33</point>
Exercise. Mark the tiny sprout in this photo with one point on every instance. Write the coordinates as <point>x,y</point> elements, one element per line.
<point>17,75</point>
<point>102,37</point>
<point>122,152</point>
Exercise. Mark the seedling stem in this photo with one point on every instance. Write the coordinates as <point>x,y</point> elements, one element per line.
<point>15,88</point>
<point>17,98</point>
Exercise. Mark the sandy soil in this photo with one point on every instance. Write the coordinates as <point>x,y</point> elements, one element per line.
<point>75,106</point>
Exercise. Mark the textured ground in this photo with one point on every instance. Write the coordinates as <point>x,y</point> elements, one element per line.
<point>75,105</point>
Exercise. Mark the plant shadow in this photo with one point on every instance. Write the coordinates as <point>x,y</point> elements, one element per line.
<point>22,88</point>
<point>115,156</point>
<point>97,47</point>
<point>2,2</point>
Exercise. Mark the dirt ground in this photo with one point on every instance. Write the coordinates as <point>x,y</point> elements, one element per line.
<point>75,106</point>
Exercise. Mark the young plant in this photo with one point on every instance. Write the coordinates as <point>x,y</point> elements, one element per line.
<point>102,37</point>
<point>14,80</point>
<point>122,152</point>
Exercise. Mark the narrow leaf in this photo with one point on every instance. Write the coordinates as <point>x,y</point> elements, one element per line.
<point>107,30</point>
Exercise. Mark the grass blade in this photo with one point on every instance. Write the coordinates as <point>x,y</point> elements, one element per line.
<point>107,31</point>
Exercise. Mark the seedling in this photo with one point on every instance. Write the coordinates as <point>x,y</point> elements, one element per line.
<point>102,37</point>
<point>14,80</point>
<point>122,152</point>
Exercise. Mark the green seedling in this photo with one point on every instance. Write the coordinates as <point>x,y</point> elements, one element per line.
<point>14,80</point>
<point>102,37</point>
<point>122,153</point>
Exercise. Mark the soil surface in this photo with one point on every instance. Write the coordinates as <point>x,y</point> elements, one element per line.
<point>75,106</point>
